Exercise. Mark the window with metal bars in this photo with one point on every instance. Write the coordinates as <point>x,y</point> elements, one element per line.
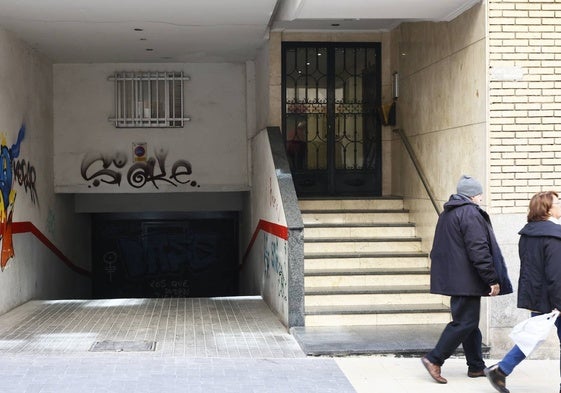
<point>149,99</point>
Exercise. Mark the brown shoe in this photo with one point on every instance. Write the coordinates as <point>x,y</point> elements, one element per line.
<point>497,378</point>
<point>433,370</point>
<point>476,374</point>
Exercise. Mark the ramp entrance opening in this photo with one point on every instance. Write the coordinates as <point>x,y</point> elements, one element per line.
<point>165,255</point>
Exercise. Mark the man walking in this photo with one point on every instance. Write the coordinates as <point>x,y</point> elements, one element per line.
<point>466,263</point>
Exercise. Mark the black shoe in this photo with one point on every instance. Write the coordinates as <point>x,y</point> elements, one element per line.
<point>497,378</point>
<point>476,374</point>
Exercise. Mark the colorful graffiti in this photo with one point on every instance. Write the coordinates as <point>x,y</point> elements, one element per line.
<point>7,195</point>
<point>275,260</point>
<point>98,168</point>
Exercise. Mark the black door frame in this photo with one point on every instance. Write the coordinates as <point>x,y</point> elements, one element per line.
<point>306,180</point>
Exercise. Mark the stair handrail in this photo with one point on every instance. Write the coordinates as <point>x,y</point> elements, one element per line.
<point>417,165</point>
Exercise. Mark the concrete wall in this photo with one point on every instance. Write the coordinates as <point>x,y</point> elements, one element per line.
<point>461,118</point>
<point>273,264</point>
<point>214,142</point>
<point>35,272</point>
<point>442,108</point>
<point>265,269</point>
<point>262,91</point>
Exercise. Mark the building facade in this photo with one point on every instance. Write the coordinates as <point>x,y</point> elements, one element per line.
<point>477,95</point>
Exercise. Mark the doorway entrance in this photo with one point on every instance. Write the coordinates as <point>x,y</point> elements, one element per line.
<point>154,255</point>
<point>330,124</point>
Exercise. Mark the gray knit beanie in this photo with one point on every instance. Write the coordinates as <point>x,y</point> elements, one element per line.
<point>469,187</point>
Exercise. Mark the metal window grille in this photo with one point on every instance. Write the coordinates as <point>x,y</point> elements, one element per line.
<point>149,99</point>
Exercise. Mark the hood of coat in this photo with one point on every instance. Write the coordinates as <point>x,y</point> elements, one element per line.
<point>541,228</point>
<point>457,200</point>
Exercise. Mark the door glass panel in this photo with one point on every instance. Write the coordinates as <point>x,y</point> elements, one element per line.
<point>354,100</point>
<point>306,107</point>
<point>333,137</point>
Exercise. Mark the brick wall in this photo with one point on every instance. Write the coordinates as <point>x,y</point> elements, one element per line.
<point>524,123</point>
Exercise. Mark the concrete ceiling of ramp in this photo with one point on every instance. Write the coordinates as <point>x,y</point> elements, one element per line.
<point>142,31</point>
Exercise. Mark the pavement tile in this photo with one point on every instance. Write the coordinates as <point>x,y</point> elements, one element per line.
<point>219,345</point>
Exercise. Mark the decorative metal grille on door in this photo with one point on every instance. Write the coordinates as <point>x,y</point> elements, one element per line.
<point>330,125</point>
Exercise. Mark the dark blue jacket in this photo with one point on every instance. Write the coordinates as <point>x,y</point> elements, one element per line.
<point>465,257</point>
<point>539,285</point>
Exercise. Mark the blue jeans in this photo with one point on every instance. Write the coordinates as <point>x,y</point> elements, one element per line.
<point>515,356</point>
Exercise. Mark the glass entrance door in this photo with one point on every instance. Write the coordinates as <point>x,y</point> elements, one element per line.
<point>332,133</point>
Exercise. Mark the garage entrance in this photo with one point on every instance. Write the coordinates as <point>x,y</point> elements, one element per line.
<point>165,255</point>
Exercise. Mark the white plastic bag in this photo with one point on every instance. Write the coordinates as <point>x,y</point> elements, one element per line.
<point>530,333</point>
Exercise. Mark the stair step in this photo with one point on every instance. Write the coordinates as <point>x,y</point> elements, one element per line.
<point>374,255</point>
<point>404,318</point>
<point>362,272</point>
<point>359,225</point>
<point>357,231</point>
<point>361,299</point>
<point>354,216</point>
<point>337,281</point>
<point>377,261</point>
<point>383,314</point>
<point>376,309</point>
<point>353,211</point>
<point>334,245</point>
<point>366,240</point>
<point>350,203</point>
<point>364,265</point>
<point>373,289</point>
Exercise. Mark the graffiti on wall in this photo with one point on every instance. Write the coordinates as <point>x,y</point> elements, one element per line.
<point>7,195</point>
<point>110,261</point>
<point>165,258</point>
<point>25,175</point>
<point>98,168</point>
<point>275,262</point>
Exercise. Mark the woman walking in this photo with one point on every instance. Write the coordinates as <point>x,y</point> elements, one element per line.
<point>539,285</point>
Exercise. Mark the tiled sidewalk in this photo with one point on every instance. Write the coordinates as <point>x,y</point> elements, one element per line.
<point>220,327</point>
<point>230,345</point>
<point>202,345</point>
<point>126,373</point>
<point>383,374</point>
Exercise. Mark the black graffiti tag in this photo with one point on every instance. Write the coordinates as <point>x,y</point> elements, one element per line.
<point>143,172</point>
<point>25,175</point>
<point>104,174</point>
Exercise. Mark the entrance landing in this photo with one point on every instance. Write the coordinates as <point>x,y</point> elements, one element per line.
<point>398,340</point>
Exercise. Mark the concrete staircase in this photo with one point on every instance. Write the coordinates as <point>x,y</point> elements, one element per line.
<point>363,265</point>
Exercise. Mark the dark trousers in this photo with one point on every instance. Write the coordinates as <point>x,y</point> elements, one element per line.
<point>464,329</point>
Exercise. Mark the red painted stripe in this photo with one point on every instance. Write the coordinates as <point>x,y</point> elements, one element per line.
<point>272,228</point>
<point>26,226</point>
<point>269,227</point>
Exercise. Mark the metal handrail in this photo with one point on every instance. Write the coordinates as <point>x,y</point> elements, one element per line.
<point>417,165</point>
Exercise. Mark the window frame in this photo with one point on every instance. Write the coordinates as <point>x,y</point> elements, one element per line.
<point>149,99</point>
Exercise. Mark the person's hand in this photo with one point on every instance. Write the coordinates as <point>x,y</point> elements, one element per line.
<point>495,289</point>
